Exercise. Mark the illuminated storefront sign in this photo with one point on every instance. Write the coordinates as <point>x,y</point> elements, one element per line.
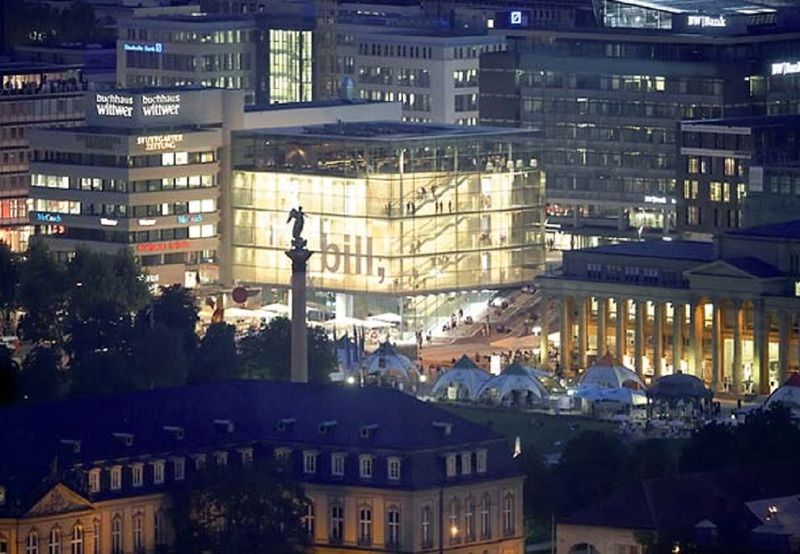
<point>45,217</point>
<point>785,68</point>
<point>157,105</point>
<point>516,18</point>
<point>159,142</point>
<point>658,200</point>
<point>162,246</point>
<point>353,257</point>
<point>108,222</point>
<point>114,105</point>
<point>147,222</point>
<point>706,21</point>
<point>195,218</point>
<point>156,48</point>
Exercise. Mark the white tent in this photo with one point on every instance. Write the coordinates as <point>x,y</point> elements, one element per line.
<point>465,378</point>
<point>787,394</point>
<point>387,361</point>
<point>607,372</point>
<point>516,385</point>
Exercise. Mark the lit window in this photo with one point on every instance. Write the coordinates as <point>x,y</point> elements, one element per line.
<point>138,533</point>
<point>168,158</point>
<point>137,475</point>
<point>96,544</point>
<point>466,463</point>
<point>480,461</point>
<point>309,461</point>
<point>221,458</point>
<point>486,506</point>
<point>425,526</point>
<point>247,456</point>
<point>32,543</point>
<point>94,480</point>
<point>158,472</point>
<point>393,469</point>
<point>76,542</point>
<point>116,534</point>
<point>116,478</point>
<point>451,465</point>
<point>199,462</point>
<point>454,517</point>
<point>365,525</point>
<point>308,520</point>
<point>469,519</point>
<point>282,455</point>
<point>181,158</point>
<point>365,466</point>
<point>337,464</point>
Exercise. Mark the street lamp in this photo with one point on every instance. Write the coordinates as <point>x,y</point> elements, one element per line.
<point>454,531</point>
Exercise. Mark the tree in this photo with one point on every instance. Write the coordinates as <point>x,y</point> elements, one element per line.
<point>711,447</point>
<point>9,276</point>
<point>239,509</point>
<point>169,368</point>
<point>216,358</point>
<point>8,377</point>
<point>652,458</point>
<point>40,378</point>
<point>174,309</point>
<point>42,293</point>
<point>267,354</point>
<point>592,466</point>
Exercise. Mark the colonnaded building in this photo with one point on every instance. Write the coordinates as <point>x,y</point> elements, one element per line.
<point>727,311</point>
<point>395,210</point>
<point>381,470</point>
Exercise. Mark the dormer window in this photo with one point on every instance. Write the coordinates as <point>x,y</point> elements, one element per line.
<point>451,465</point>
<point>365,466</point>
<point>480,461</point>
<point>310,461</point>
<point>158,472</point>
<point>337,464</point>
<point>221,458</point>
<point>137,475</point>
<point>466,463</point>
<point>94,480</point>
<point>282,455</point>
<point>247,456</point>
<point>116,478</point>
<point>2,496</point>
<point>199,462</point>
<point>393,469</point>
<point>178,468</point>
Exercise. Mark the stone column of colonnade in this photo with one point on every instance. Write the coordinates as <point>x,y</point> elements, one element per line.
<point>565,346</point>
<point>544,326</point>
<point>620,332</point>
<point>639,346</point>
<point>737,370</point>
<point>677,335</point>
<point>583,330</point>
<point>658,338</point>
<point>602,326</point>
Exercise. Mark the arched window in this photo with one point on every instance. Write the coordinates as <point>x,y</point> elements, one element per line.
<point>486,521</point>
<point>138,533</point>
<point>365,525</point>
<point>32,543</point>
<point>393,526</point>
<point>425,526</point>
<point>508,514</point>
<point>116,534</point>
<point>54,545</point>
<point>158,528</point>
<point>469,519</point>
<point>337,522</point>
<point>583,548</point>
<point>455,515</point>
<point>96,542</point>
<point>309,520</point>
<point>76,542</point>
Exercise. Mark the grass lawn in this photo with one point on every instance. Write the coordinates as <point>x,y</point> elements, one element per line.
<point>539,430</point>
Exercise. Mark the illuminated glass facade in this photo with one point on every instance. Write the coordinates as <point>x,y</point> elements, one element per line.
<point>290,64</point>
<point>392,208</point>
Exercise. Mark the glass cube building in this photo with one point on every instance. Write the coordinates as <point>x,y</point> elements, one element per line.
<point>393,208</point>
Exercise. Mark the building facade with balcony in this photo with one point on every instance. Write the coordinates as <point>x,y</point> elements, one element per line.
<point>382,471</point>
<point>31,95</point>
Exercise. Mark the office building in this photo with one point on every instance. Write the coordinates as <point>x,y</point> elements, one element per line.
<point>395,209</point>
<point>432,72</point>
<point>381,470</point>
<point>727,311</point>
<point>736,173</point>
<point>98,62</point>
<point>270,57</point>
<point>31,95</point>
<point>147,173</point>
<point>608,99</point>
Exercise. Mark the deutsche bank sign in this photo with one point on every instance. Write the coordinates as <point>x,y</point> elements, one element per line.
<point>155,48</point>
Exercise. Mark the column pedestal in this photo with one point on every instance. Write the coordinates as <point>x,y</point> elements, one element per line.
<point>639,346</point>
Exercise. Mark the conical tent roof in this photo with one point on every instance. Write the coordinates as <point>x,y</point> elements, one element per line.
<point>516,377</point>
<point>787,394</point>
<point>386,359</point>
<point>464,373</point>
<point>679,386</point>
<point>609,373</point>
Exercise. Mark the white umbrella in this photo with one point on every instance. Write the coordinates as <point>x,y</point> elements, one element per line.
<point>387,317</point>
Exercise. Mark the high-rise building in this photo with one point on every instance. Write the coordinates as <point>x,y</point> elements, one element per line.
<point>270,57</point>
<point>608,100</point>
<point>32,95</point>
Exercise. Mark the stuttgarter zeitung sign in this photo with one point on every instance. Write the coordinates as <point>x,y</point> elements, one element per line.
<point>785,68</point>
<point>159,142</point>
